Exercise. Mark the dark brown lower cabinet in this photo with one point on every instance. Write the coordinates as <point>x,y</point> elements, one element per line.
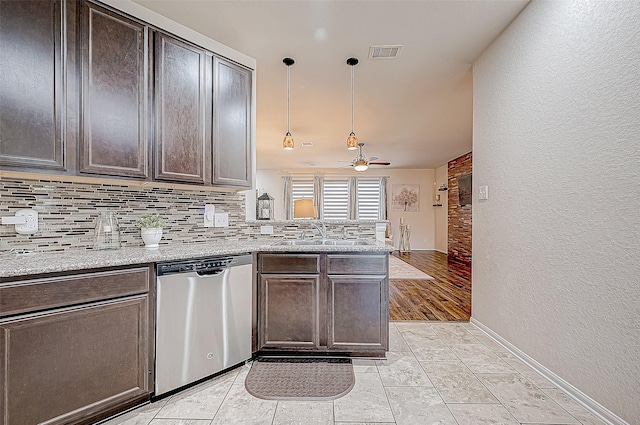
<point>290,314</point>
<point>76,364</point>
<point>326,303</point>
<point>358,317</point>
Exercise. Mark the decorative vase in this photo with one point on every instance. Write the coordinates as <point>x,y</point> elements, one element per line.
<point>151,236</point>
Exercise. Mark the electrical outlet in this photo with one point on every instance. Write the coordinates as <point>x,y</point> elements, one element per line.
<point>266,230</point>
<point>221,220</point>
<point>31,222</point>
<point>209,215</point>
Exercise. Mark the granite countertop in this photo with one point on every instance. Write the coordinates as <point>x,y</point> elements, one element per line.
<point>24,264</point>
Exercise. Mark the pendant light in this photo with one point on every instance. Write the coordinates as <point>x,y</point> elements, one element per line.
<point>287,143</point>
<point>352,140</point>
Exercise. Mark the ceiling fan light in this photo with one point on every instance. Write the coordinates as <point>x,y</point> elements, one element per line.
<point>361,164</point>
<point>352,142</point>
<point>287,143</point>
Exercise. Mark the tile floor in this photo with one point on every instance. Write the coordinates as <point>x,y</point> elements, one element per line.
<point>435,373</point>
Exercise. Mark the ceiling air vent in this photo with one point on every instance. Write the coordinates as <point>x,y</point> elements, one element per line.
<point>384,52</point>
<point>306,144</point>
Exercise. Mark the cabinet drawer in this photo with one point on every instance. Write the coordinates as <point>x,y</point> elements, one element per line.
<point>356,264</point>
<point>289,263</point>
<point>39,294</point>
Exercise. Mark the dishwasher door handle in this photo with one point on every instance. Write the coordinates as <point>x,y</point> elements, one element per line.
<point>210,273</point>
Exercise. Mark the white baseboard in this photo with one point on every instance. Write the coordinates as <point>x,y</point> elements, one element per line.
<point>593,406</point>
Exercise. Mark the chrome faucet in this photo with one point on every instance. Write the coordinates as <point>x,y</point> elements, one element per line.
<point>321,228</point>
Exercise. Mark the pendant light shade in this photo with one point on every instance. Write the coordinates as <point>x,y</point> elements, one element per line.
<point>287,143</point>
<point>352,140</point>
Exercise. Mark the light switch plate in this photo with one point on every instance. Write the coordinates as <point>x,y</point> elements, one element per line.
<point>266,230</point>
<point>209,215</point>
<point>221,220</point>
<point>483,193</point>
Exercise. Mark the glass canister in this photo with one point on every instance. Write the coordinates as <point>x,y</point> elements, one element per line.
<point>107,231</point>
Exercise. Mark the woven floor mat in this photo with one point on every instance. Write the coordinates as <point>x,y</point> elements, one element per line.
<point>300,379</point>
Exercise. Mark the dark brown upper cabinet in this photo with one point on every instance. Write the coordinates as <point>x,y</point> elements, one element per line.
<point>88,90</point>
<point>114,124</point>
<point>32,85</point>
<point>182,110</point>
<point>231,124</point>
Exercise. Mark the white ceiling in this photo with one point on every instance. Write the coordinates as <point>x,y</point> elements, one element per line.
<point>414,111</point>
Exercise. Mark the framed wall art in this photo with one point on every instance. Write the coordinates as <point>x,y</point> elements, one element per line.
<point>405,197</point>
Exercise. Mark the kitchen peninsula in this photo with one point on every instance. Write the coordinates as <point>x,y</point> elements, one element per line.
<point>81,315</point>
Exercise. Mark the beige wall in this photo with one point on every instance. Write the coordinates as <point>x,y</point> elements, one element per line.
<point>555,247</point>
<point>422,223</point>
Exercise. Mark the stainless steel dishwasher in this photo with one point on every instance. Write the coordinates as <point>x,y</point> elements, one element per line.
<point>203,318</point>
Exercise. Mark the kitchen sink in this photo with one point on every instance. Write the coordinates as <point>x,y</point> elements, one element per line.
<point>296,242</point>
<point>316,242</point>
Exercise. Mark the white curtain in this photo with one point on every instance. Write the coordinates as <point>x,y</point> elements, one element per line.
<point>288,205</point>
<point>317,194</point>
<point>353,198</point>
<point>383,198</point>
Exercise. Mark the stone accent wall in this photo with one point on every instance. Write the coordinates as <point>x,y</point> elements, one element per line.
<point>67,213</point>
<point>459,223</point>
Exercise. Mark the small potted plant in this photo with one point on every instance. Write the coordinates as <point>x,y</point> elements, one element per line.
<point>151,229</point>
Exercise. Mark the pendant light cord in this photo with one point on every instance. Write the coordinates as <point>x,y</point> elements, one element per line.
<point>352,91</point>
<point>288,85</point>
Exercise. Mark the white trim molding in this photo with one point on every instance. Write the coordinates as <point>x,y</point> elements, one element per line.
<point>593,406</point>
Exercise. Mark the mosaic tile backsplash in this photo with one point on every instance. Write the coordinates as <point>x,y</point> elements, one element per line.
<point>67,213</point>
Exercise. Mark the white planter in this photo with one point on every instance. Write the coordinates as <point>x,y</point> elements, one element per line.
<point>151,236</point>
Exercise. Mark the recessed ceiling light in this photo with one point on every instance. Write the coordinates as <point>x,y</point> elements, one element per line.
<point>306,144</point>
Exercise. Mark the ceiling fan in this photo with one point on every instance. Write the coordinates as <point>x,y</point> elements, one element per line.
<point>361,162</point>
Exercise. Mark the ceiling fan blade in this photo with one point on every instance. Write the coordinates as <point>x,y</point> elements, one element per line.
<point>379,163</point>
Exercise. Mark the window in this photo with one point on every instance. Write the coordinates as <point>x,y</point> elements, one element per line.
<point>336,201</point>
<point>301,187</point>
<point>368,199</point>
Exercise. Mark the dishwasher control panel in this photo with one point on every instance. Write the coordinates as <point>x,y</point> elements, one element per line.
<point>199,265</point>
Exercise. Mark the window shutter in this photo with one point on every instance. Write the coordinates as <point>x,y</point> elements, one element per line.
<point>368,199</point>
<point>301,188</point>
<point>335,199</point>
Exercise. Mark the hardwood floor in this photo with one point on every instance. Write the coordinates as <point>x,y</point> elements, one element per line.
<point>446,298</point>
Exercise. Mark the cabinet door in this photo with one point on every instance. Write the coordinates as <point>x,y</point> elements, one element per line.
<point>232,159</point>
<point>289,307</point>
<point>71,364</point>
<point>31,84</point>
<point>114,135</point>
<point>182,110</point>
<point>358,313</point>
